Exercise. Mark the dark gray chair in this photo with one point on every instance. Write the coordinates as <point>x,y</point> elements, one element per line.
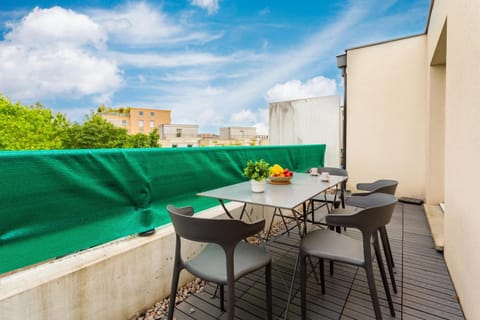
<point>327,244</point>
<point>379,186</point>
<point>361,201</point>
<point>325,198</point>
<point>225,259</point>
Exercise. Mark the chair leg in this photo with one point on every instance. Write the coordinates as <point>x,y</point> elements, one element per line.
<point>222,297</point>
<point>268,289</point>
<point>387,244</point>
<point>303,285</point>
<point>378,255</point>
<point>388,257</point>
<point>231,299</point>
<point>373,289</point>
<point>312,204</point>
<point>321,263</point>
<point>173,292</point>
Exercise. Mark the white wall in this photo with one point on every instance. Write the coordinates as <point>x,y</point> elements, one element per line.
<point>308,121</point>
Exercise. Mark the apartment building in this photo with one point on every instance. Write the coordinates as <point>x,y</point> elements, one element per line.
<point>240,133</point>
<point>138,120</point>
<point>179,135</point>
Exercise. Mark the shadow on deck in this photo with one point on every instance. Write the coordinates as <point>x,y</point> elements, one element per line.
<point>425,290</point>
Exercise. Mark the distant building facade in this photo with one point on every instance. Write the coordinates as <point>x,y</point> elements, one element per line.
<point>240,133</point>
<point>138,120</point>
<point>234,136</point>
<point>179,135</point>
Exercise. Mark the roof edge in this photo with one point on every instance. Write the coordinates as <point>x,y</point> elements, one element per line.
<point>429,15</point>
<point>386,41</point>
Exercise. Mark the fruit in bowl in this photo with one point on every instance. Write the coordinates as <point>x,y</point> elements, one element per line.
<point>279,174</point>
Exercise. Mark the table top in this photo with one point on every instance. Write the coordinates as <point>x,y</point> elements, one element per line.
<point>302,187</point>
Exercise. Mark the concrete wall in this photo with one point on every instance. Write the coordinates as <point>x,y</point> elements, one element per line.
<point>113,281</point>
<point>386,114</point>
<point>462,147</point>
<point>308,121</point>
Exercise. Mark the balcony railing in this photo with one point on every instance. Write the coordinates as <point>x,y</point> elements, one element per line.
<point>58,202</point>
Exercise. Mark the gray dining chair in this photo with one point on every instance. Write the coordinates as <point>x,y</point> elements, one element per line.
<point>334,246</point>
<point>330,200</point>
<point>366,200</point>
<point>225,258</point>
<point>379,186</point>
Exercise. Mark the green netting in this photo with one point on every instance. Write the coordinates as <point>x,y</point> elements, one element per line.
<point>59,202</point>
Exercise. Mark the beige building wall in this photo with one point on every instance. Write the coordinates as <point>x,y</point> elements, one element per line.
<point>145,120</point>
<point>239,133</point>
<point>179,135</point>
<point>386,114</point>
<point>413,108</point>
<point>462,144</point>
<point>138,120</point>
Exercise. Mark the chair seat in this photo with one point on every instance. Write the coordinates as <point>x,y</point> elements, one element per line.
<point>333,246</point>
<point>210,264</point>
<point>372,200</point>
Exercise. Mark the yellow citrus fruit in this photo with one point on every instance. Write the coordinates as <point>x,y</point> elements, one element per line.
<point>276,170</point>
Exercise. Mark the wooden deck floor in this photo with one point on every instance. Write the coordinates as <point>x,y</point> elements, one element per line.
<point>425,290</point>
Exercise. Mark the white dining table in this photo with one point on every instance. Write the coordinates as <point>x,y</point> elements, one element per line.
<point>302,188</point>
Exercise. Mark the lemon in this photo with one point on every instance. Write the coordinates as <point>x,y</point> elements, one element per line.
<point>276,170</point>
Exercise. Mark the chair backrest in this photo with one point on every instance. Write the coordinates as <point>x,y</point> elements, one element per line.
<point>381,186</point>
<point>368,220</point>
<point>334,171</point>
<point>224,232</point>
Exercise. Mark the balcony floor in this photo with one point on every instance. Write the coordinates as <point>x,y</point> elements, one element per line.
<point>425,290</point>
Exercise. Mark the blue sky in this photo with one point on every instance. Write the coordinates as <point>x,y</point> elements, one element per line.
<point>214,63</point>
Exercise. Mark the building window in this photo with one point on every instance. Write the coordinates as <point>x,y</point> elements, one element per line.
<point>140,113</point>
<point>179,132</point>
<point>152,114</point>
<point>152,124</point>
<point>124,123</point>
<point>140,123</point>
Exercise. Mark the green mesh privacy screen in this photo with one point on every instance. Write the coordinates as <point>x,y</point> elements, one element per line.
<point>58,202</point>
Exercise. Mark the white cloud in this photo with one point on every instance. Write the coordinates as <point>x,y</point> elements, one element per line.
<point>243,116</point>
<point>136,23</point>
<point>54,52</point>
<point>211,5</point>
<point>262,124</point>
<point>154,60</point>
<point>42,27</point>
<point>295,89</point>
<point>257,119</point>
<point>142,24</point>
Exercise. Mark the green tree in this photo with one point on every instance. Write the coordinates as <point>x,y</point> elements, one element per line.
<point>30,127</point>
<point>138,140</point>
<point>153,137</point>
<point>95,133</point>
